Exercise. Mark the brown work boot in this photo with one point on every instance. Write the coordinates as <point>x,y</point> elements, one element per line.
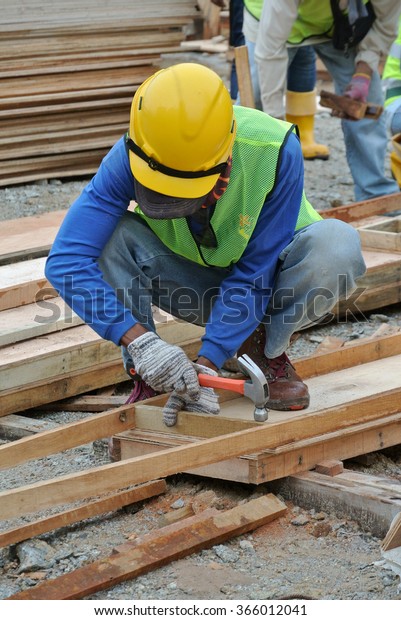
<point>287,390</point>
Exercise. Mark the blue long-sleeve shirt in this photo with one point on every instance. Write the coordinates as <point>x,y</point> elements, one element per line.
<point>72,265</point>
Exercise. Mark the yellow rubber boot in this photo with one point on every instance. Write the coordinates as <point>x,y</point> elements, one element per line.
<point>301,110</point>
<point>395,158</point>
<point>395,163</point>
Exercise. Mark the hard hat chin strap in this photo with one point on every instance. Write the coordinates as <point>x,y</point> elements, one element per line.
<point>171,172</point>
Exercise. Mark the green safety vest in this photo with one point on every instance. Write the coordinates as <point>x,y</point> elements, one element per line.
<point>254,7</point>
<point>257,146</point>
<point>314,19</point>
<point>392,70</point>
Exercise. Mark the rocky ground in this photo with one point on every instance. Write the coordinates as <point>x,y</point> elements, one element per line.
<point>307,553</point>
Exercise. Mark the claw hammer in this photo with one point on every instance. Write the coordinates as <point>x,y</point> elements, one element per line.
<point>256,387</point>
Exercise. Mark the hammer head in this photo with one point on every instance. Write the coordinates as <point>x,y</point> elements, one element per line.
<point>256,388</point>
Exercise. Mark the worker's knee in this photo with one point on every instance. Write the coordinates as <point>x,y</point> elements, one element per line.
<point>334,246</point>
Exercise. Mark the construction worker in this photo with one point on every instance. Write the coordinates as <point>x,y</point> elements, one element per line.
<point>300,96</point>
<point>289,24</point>
<point>222,236</point>
<point>236,36</point>
<point>392,84</point>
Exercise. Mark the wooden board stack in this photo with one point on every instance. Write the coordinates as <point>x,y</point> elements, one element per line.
<point>68,73</point>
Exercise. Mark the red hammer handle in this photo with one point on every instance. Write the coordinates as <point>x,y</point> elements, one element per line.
<point>234,385</point>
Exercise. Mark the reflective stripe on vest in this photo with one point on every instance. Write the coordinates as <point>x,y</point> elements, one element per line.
<point>392,70</point>
<point>256,151</point>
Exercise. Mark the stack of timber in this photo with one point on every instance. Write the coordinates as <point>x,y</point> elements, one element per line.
<point>68,72</point>
<point>48,355</point>
<point>381,284</point>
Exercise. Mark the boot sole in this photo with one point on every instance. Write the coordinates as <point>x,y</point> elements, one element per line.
<point>297,405</point>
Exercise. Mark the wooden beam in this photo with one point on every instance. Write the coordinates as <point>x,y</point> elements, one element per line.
<point>73,434</point>
<point>29,237</point>
<point>46,391</point>
<point>392,539</point>
<point>111,477</point>
<point>370,500</point>
<point>154,550</point>
<point>13,427</point>
<point>54,355</point>
<point>348,357</point>
<point>273,464</point>
<point>34,320</point>
<point>91,509</point>
<point>244,76</point>
<point>366,208</point>
<point>21,283</point>
<point>66,436</point>
<point>303,455</point>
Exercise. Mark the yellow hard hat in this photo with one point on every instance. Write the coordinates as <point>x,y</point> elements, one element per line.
<point>181,132</point>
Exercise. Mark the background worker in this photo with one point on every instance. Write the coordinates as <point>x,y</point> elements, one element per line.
<point>300,96</point>
<point>289,24</point>
<point>223,236</point>
<point>236,36</point>
<point>392,84</point>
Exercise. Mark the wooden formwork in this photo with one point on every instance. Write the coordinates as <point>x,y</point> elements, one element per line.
<point>351,413</point>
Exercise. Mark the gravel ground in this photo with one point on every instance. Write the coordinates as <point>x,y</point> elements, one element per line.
<point>304,554</point>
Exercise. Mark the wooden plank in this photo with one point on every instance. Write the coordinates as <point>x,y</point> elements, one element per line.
<point>55,354</point>
<point>171,543</point>
<point>49,389</point>
<point>348,443</point>
<point>336,389</point>
<point>66,436</point>
<point>50,167</point>
<point>392,539</point>
<point>111,477</point>
<point>34,320</point>
<point>380,286</point>
<point>211,17</point>
<point>91,509</point>
<point>244,76</point>
<point>77,55</point>
<point>23,282</point>
<point>349,357</point>
<point>136,442</point>
<point>210,46</point>
<point>384,235</point>
<point>60,353</point>
<point>90,403</point>
<point>75,434</point>
<point>280,462</point>
<point>350,494</point>
<point>14,427</point>
<point>28,244</point>
<point>358,210</point>
<point>45,391</point>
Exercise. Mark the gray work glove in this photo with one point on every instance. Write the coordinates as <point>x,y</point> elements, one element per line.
<point>163,366</point>
<point>207,402</point>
